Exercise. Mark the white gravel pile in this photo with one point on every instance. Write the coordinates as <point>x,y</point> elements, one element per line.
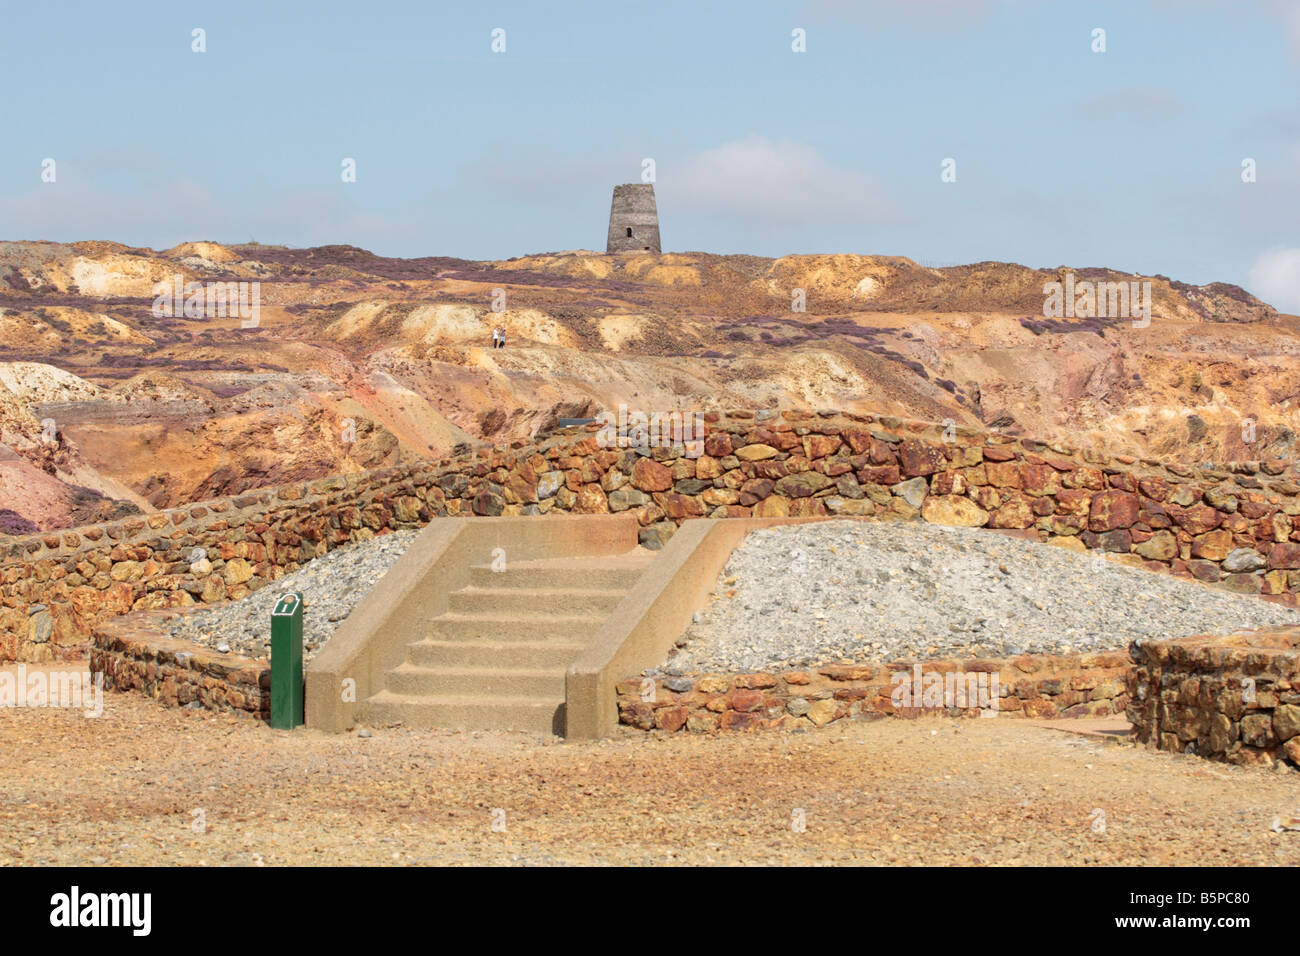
<point>331,587</point>
<point>847,591</point>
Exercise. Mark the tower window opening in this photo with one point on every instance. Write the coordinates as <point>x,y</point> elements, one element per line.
<point>629,232</point>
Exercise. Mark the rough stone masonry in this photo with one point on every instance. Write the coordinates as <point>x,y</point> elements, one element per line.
<point>633,219</point>
<point>1231,697</point>
<point>1235,526</point>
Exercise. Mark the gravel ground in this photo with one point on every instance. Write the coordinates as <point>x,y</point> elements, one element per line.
<point>803,595</point>
<point>130,787</point>
<point>331,587</point>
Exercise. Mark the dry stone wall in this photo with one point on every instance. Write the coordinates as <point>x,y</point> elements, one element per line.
<point>1076,685</point>
<point>1231,697</point>
<point>1236,526</point>
<point>132,654</point>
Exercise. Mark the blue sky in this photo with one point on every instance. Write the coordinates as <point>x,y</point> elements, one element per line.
<point>1129,158</point>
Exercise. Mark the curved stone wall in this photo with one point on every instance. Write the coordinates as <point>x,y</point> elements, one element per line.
<point>1233,526</point>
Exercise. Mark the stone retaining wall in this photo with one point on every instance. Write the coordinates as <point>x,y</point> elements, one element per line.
<point>1075,685</point>
<point>1233,698</point>
<point>132,655</point>
<point>1237,526</point>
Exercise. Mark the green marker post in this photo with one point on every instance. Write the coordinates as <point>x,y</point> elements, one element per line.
<point>286,662</point>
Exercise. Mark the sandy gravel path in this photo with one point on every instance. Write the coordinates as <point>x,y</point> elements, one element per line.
<point>125,788</point>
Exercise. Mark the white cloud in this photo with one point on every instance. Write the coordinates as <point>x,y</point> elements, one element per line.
<point>1275,278</point>
<point>1143,104</point>
<point>776,184</point>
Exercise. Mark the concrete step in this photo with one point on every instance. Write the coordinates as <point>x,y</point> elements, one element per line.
<point>615,572</point>
<point>538,715</point>
<point>512,627</point>
<point>538,602</point>
<point>513,681</point>
<point>527,654</point>
<point>496,659</point>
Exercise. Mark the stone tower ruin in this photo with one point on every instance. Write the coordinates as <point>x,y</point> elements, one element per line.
<point>633,219</point>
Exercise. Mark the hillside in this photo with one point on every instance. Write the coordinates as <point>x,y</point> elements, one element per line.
<point>359,361</point>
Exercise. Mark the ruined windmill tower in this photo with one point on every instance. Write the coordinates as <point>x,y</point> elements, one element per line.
<point>633,219</point>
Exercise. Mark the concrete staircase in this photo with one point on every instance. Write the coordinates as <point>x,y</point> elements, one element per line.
<point>496,658</point>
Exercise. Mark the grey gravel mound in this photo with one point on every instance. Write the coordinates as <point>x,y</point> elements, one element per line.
<point>331,587</point>
<point>848,592</point>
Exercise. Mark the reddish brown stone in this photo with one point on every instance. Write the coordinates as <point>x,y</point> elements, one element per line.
<point>753,681</point>
<point>1284,556</point>
<point>773,506</point>
<point>859,439</point>
<point>718,444</point>
<point>882,453</point>
<point>1040,479</point>
<point>591,500</point>
<point>745,701</point>
<point>920,457</point>
<point>1071,501</point>
<point>853,693</point>
<point>738,720</point>
<point>880,475</point>
<point>1118,541</point>
<point>1005,474</point>
<point>807,508</point>
<point>1113,509</point>
<point>1015,513</point>
<point>1153,515</point>
<point>821,446</point>
<point>1255,509</point>
<point>1154,487</point>
<point>649,475</point>
<point>1213,545</point>
<point>770,469</point>
<point>677,506</point>
<point>948,483</point>
<point>637,713</point>
<point>1039,707</point>
<point>1123,482</point>
<point>706,466</point>
<point>671,719</point>
<point>848,671</point>
<point>1091,478</point>
<point>1196,519</point>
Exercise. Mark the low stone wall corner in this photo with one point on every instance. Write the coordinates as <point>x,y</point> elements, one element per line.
<point>1233,697</point>
<point>132,654</point>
